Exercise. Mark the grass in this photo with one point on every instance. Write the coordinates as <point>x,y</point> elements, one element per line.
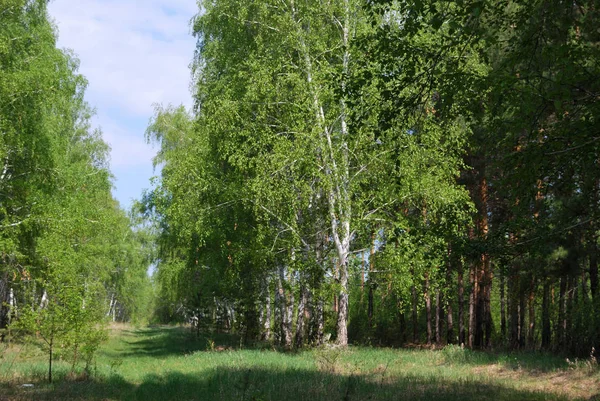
<point>169,363</point>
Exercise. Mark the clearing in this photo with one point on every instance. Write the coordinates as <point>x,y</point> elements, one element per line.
<point>170,363</point>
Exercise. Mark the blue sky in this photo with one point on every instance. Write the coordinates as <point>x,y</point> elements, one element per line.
<point>134,53</point>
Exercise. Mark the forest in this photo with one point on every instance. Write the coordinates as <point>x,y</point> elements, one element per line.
<point>394,173</point>
<point>69,256</point>
<point>385,172</point>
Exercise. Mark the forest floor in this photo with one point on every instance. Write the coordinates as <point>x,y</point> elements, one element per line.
<point>170,363</point>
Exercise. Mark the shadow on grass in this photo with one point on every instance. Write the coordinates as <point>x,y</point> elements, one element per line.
<point>264,384</point>
<point>167,341</point>
<point>531,361</point>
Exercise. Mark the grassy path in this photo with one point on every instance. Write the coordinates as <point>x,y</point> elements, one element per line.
<point>169,364</point>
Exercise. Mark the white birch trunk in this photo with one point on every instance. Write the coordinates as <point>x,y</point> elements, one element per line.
<point>285,310</point>
<point>44,301</point>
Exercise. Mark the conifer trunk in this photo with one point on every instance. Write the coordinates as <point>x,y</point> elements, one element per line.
<point>531,306</point>
<point>546,329</point>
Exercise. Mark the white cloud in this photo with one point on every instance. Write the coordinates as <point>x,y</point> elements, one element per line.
<point>126,150</point>
<point>134,53</point>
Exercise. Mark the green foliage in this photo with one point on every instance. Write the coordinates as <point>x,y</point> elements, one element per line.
<point>67,250</point>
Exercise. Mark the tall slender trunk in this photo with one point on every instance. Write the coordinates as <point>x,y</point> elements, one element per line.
<point>427,296</point>
<point>594,267</point>
<point>546,329</point>
<point>473,305</point>
<point>4,302</point>
<point>362,278</point>
<point>487,300</point>
<point>319,320</point>
<point>447,300</point>
<point>266,313</point>
<point>461,304</point>
<point>480,318</point>
<point>50,357</point>
<point>571,287</point>
<point>402,321</point>
<point>335,159</point>
<point>316,299</point>
<point>522,319</point>
<point>513,306</point>
<point>342,318</point>
<point>341,205</point>
<point>502,306</point>
<point>438,318</point>
<point>561,323</point>
<point>285,323</point>
<point>415,323</point>
<point>531,306</point>
<point>301,317</point>
<point>289,310</point>
<point>370,305</point>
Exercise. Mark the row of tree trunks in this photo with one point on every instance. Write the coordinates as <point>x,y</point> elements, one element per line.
<point>309,322</point>
<point>520,311</point>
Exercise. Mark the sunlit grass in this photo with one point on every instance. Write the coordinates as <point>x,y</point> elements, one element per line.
<point>170,363</point>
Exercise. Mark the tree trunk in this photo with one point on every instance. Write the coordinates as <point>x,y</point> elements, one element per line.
<point>438,318</point>
<point>50,351</point>
<point>362,278</point>
<point>571,286</point>
<point>521,319</point>
<point>448,301</point>
<point>487,298</point>
<point>316,298</point>
<point>285,319</point>
<point>4,304</point>
<point>428,309</point>
<point>502,306</point>
<point>370,305</point>
<point>546,329</point>
<point>289,312</point>
<point>562,323</point>
<point>480,321</point>
<point>531,306</point>
<point>319,322</point>
<point>415,323</point>
<point>473,302</point>
<point>342,320</point>
<point>513,306</point>
<point>594,268</point>
<point>461,305</point>
<point>335,160</point>
<point>301,317</point>
<point>402,321</point>
<point>266,314</point>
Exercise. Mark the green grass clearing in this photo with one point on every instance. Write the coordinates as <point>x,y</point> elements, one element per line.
<point>170,363</point>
